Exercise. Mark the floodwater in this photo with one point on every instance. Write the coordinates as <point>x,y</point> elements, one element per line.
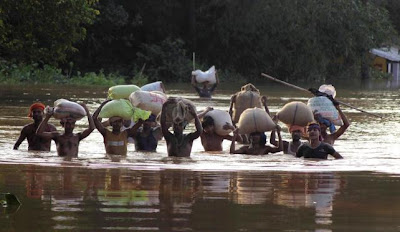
<point>208,191</point>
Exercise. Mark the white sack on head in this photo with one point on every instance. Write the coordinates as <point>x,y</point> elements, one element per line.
<point>208,75</point>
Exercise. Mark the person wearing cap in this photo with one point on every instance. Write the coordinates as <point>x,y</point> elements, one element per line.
<point>148,135</point>
<point>115,141</point>
<point>315,148</point>
<point>35,142</point>
<point>179,144</point>
<point>68,142</point>
<point>290,147</point>
<point>257,144</point>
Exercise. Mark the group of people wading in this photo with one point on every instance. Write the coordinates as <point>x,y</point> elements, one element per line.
<point>147,133</point>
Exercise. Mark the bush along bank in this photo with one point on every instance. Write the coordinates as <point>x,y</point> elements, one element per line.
<point>33,74</point>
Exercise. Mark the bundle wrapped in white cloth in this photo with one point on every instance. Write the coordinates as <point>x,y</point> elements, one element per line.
<point>208,75</point>
<point>64,108</point>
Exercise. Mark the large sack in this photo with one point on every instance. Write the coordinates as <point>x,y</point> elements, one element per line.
<point>220,117</point>
<point>155,86</point>
<point>124,109</point>
<point>149,101</point>
<point>295,113</point>
<point>208,75</point>
<point>177,112</point>
<point>248,97</point>
<point>323,106</point>
<point>328,89</point>
<point>64,108</point>
<point>255,120</point>
<point>121,91</point>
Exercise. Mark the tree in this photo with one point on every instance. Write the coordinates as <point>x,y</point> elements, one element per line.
<point>43,31</point>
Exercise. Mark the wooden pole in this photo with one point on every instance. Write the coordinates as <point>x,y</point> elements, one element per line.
<point>194,61</point>
<point>305,90</point>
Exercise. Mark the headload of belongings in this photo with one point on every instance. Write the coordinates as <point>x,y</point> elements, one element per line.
<point>248,97</point>
<point>124,109</point>
<point>121,91</point>
<point>295,113</point>
<point>220,118</point>
<point>255,120</point>
<point>208,75</point>
<point>155,86</point>
<point>64,108</point>
<point>177,111</point>
<point>150,101</point>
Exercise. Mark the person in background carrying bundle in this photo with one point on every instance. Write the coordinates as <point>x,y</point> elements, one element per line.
<point>315,148</point>
<point>257,144</point>
<point>35,142</point>
<point>148,135</point>
<point>205,91</point>
<point>67,142</point>
<point>115,141</point>
<point>325,123</point>
<point>179,144</point>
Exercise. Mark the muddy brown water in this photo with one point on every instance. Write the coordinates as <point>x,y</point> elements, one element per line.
<point>208,191</point>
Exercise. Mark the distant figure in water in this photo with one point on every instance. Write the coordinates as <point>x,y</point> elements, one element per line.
<point>115,141</point>
<point>179,144</point>
<point>315,148</point>
<point>205,91</point>
<point>35,142</point>
<point>257,144</point>
<point>67,142</point>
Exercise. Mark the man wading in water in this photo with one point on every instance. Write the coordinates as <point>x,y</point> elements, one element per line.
<point>315,148</point>
<point>35,142</point>
<point>205,92</point>
<point>67,142</point>
<point>179,144</point>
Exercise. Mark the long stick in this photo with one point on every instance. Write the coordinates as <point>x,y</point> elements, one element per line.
<point>305,90</point>
<point>194,61</point>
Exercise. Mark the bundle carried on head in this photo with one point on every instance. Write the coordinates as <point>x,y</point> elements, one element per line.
<point>255,120</point>
<point>324,107</point>
<point>248,97</point>
<point>154,86</point>
<point>150,101</point>
<point>208,75</point>
<point>221,118</point>
<point>64,108</point>
<point>124,109</point>
<point>177,111</point>
<point>121,91</point>
<point>295,113</point>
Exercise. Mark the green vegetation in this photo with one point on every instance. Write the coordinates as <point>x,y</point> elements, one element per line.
<point>309,40</point>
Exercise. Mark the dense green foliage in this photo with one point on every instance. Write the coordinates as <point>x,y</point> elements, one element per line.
<point>303,40</point>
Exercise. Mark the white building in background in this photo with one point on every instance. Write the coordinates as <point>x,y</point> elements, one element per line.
<point>387,60</point>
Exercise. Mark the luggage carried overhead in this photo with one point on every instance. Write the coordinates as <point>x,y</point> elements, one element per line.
<point>64,108</point>
<point>124,109</point>
<point>295,113</point>
<point>248,97</point>
<point>121,91</point>
<point>255,120</point>
<point>208,75</point>
<point>155,86</point>
<point>220,118</point>
<point>150,101</point>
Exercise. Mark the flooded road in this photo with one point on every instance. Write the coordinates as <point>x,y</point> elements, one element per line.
<point>208,191</point>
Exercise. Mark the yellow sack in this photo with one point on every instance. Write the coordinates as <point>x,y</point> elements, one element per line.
<point>121,91</point>
<point>255,120</point>
<point>295,113</point>
<point>124,109</point>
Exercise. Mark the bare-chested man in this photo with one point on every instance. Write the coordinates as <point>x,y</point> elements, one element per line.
<point>35,143</point>
<point>179,144</point>
<point>67,142</point>
<point>257,144</point>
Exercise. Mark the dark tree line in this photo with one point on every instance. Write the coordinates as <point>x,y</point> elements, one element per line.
<point>300,40</point>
